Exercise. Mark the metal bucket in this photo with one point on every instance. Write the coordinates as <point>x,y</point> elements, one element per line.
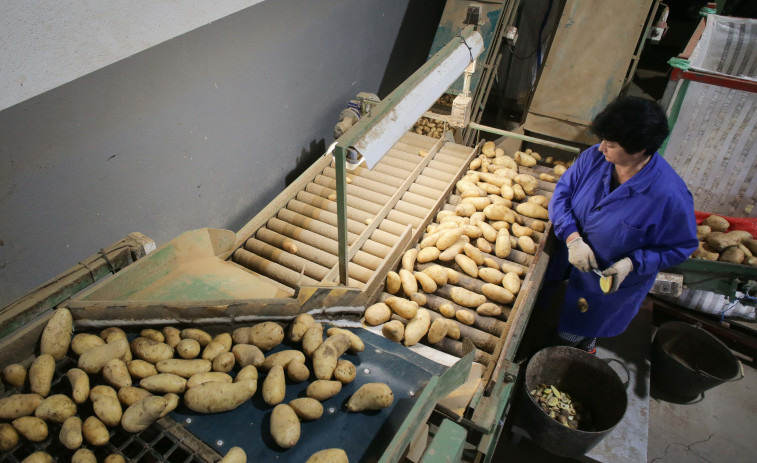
<point>687,360</point>
<point>590,381</point>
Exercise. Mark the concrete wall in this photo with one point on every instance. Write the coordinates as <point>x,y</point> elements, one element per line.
<point>202,130</point>
<point>48,43</point>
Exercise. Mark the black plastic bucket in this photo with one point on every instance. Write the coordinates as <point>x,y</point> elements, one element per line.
<point>590,381</point>
<point>687,360</point>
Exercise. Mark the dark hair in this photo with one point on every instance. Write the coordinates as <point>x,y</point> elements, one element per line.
<point>634,123</point>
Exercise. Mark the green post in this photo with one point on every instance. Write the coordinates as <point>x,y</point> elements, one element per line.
<point>340,159</point>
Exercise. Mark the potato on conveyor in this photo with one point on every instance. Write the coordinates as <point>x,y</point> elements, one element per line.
<point>220,344</point>
<point>38,457</point>
<point>70,433</point>
<point>327,354</point>
<point>84,456</point>
<point>18,405</point>
<point>323,389</point>
<point>217,397</point>
<point>371,396</point>
<point>41,374</point>
<point>93,360</point>
<point>234,455</point>
<point>307,408</point>
<point>95,432</point>
<point>15,375</point>
<point>378,313</point>
<point>56,408</point>
<point>142,414</point>
<point>299,326</point>
<point>274,386</point>
<point>8,437</point>
<point>151,351</point>
<point>31,428</point>
<point>328,456</point>
<point>56,337</point>
<point>285,426</point>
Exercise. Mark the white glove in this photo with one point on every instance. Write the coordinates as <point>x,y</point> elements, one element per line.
<point>581,255</point>
<point>619,271</point>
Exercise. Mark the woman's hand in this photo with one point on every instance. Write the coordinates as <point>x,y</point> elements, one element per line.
<point>580,254</point>
<point>619,271</point>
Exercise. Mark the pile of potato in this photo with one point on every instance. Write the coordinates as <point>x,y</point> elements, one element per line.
<point>717,243</point>
<point>132,384</point>
<point>431,127</point>
<point>496,211</point>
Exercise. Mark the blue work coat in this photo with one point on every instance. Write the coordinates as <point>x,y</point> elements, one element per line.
<point>649,219</point>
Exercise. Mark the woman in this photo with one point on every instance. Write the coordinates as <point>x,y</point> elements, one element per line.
<point>621,209</point>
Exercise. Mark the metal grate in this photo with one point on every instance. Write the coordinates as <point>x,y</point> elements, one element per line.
<point>159,443</point>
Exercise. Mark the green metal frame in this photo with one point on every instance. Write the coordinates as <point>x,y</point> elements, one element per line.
<point>718,277</point>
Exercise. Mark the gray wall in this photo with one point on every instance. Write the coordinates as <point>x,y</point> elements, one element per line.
<point>200,131</point>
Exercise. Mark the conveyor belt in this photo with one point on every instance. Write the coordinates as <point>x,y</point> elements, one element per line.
<point>298,245</point>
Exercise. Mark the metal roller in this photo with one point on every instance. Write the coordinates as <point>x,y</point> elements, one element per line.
<point>271,269</point>
<point>353,190</point>
<point>419,200</point>
<point>330,206</point>
<point>385,179</point>
<point>485,324</point>
<point>357,203</point>
<point>287,259</point>
<point>411,209</point>
<point>315,226</point>
<point>444,177</point>
<point>363,182</point>
<point>404,219</point>
<point>313,254</point>
<point>424,191</point>
<point>432,183</point>
<point>353,226</point>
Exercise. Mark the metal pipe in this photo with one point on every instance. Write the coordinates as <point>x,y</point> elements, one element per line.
<point>521,137</point>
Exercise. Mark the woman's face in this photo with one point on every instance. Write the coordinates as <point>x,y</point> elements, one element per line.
<point>615,153</point>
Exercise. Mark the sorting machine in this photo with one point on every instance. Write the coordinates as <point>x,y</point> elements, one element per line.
<point>323,246</point>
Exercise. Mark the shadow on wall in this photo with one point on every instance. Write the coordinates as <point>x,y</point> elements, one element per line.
<point>306,159</point>
<point>413,43</point>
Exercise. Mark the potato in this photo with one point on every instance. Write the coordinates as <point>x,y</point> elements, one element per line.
<point>491,263</point>
<point>447,310</point>
<point>489,233</point>
<point>217,397</point>
<point>155,335</point>
<point>751,244</point>
<point>497,293</point>
<point>114,458</point>
<point>116,373</point>
<point>56,337</point>
<point>371,396</point>
<point>18,405</point>
<point>419,298</point>
<point>547,177</point>
<point>106,405</point>
<point>220,344</point>
<point>541,200</point>
<point>31,428</point>
<point>274,386</point>
<point>409,283</point>
<point>453,329</point>
<point>733,255</point>
<point>716,223</point>
<point>538,225</point>
<point>437,273</point>
<point>427,283</point>
<point>467,265</point>
<point>247,354</point>
<point>172,336</point>
<point>489,309</point>
<point>489,189</point>
<point>720,241</point>
<point>465,317</point>
<point>325,357</point>
<point>345,371</point>
<point>379,313</point>
<point>527,245</point>
<point>356,344</point>
<point>84,456</point>
<point>299,326</point>
<point>453,277</point>
<point>70,433</point>
<point>466,298</point>
<point>488,149</point>
<point>393,282</point>
<point>450,253</point>
<point>437,331</point>
<point>93,360</point>
<point>532,210</point>
<point>56,408</point>
<point>511,282</point>
<point>183,367</point>
<point>224,362</point>
<point>112,333</point>
<point>151,351</point>
<point>502,246</point>
<point>518,193</point>
<point>266,335</point>
<point>188,348</point>
<point>285,426</point>
<point>198,335</point>
<point>402,307</point>
<point>527,182</point>
<point>234,455</point>
<point>172,401</point>
<point>307,408</point>
<point>490,275</point>
<point>559,170</point>
<point>703,231</point>
<point>15,375</point>
<point>164,383</point>
<point>282,358</point>
<point>394,330</point>
<point>465,209</point>
<point>296,371</point>
<point>38,457</point>
<point>248,372</point>
<point>41,374</point>
<point>312,339</point>
<point>473,253</point>
<point>321,389</point>
<point>478,202</point>
<point>8,437</point>
<point>519,230</point>
<point>703,252</point>
<point>508,267</point>
<point>497,212</point>
<point>210,376</point>
<point>417,327</point>
<point>472,231</point>
<point>79,385</point>
<point>141,369</point>
<point>130,395</point>
<point>95,432</point>
<point>142,414</point>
